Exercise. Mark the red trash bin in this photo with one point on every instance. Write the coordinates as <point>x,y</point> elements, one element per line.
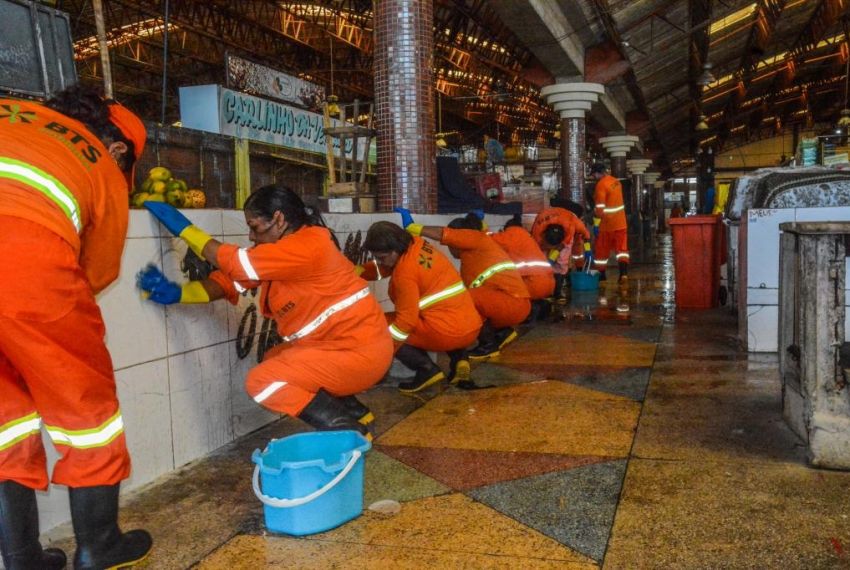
<point>696,260</point>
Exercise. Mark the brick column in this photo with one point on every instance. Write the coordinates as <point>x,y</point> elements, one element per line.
<point>571,101</point>
<point>404,105</point>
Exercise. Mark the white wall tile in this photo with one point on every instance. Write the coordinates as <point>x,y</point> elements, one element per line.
<point>200,402</point>
<point>145,406</point>
<point>135,328</point>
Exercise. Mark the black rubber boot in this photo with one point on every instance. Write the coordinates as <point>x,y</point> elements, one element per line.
<point>100,543</point>
<point>488,344</point>
<point>19,531</point>
<point>328,413</point>
<point>427,373</point>
<point>602,276</point>
<point>459,370</point>
<point>506,336</point>
<point>358,409</point>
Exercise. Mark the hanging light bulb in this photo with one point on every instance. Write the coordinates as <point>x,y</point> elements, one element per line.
<point>702,124</point>
<point>333,106</point>
<point>441,141</point>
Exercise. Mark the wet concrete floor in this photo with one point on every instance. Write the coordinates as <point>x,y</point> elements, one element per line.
<point>608,438</point>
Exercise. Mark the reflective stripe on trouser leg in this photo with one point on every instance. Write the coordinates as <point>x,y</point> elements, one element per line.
<point>22,457</point>
<point>286,381</point>
<point>56,346</point>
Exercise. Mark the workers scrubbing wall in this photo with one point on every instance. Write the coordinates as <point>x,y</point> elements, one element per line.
<point>336,342</point>
<point>434,311</point>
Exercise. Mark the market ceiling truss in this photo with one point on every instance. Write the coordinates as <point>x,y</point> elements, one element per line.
<point>749,115</point>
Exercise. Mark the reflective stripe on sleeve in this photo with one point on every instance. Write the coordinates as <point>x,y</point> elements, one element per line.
<point>326,314</point>
<point>246,265</point>
<point>88,438</point>
<point>46,184</point>
<point>600,205</point>
<point>446,293</point>
<point>239,288</point>
<point>19,429</point>
<point>613,210</point>
<point>398,334</point>
<point>622,256</point>
<point>522,264</point>
<point>270,389</point>
<point>490,271</point>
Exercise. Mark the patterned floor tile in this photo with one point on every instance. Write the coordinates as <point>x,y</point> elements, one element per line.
<point>582,350</point>
<point>388,478</point>
<point>574,507</point>
<point>463,469</point>
<point>707,514</point>
<point>540,417</point>
<point>280,552</point>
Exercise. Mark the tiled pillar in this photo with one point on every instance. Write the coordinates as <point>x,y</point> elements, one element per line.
<point>571,101</point>
<point>618,146</point>
<point>404,105</point>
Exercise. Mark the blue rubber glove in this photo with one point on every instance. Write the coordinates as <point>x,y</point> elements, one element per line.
<point>595,231</point>
<point>406,218</point>
<point>479,213</point>
<point>159,289</point>
<point>169,216</point>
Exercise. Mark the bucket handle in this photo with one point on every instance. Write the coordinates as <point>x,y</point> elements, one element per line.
<point>289,503</point>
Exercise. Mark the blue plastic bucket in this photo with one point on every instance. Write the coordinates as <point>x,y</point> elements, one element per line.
<point>581,281</point>
<point>311,482</point>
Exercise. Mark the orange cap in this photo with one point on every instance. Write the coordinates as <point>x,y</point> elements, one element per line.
<point>130,125</point>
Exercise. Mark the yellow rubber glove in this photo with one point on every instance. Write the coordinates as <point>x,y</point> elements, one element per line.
<point>553,254</point>
<point>193,292</point>
<point>196,239</point>
<point>587,246</point>
<point>414,229</point>
<point>359,269</point>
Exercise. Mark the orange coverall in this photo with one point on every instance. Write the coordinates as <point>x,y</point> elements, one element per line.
<point>535,269</point>
<point>608,199</point>
<point>433,309</point>
<point>63,215</point>
<point>496,286</point>
<point>335,335</point>
<point>575,232</point>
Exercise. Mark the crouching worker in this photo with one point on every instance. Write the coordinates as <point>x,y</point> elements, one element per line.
<point>335,336</point>
<point>497,289</point>
<point>64,171</point>
<point>565,238</point>
<point>433,309</point>
<point>531,262</point>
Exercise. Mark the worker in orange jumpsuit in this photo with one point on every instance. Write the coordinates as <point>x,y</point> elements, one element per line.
<point>433,309</point>
<point>64,169</point>
<point>532,263</point>
<point>609,223</point>
<point>336,342</point>
<point>497,288</point>
<point>561,233</point>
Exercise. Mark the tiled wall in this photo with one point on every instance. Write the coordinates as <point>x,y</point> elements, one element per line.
<point>180,378</point>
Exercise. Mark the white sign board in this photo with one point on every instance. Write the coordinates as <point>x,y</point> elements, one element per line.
<point>219,110</point>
